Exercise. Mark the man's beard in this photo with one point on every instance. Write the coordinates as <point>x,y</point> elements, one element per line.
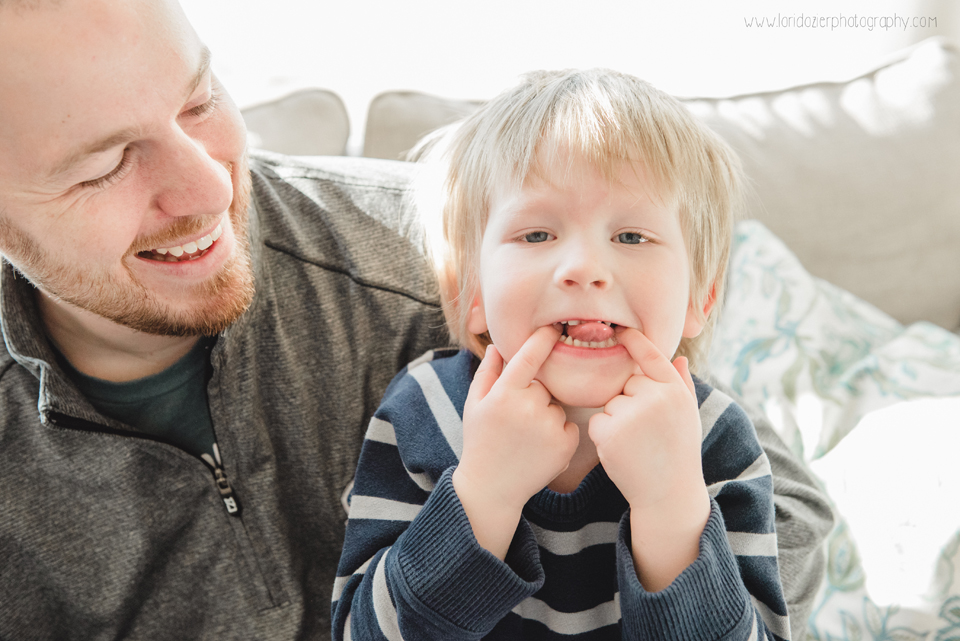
<point>220,301</point>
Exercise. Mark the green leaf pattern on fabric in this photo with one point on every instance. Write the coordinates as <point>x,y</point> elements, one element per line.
<point>817,359</point>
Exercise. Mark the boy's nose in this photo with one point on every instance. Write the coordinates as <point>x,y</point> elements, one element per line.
<point>585,269</point>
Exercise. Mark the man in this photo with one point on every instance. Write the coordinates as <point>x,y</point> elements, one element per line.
<point>194,345</point>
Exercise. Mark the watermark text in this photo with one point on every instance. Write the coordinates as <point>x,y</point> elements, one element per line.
<point>839,21</point>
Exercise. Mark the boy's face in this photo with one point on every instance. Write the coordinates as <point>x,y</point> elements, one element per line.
<point>590,257</point>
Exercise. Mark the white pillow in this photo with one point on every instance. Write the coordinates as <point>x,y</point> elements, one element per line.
<point>893,564</point>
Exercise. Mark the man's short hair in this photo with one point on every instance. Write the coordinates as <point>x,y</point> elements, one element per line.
<point>605,117</point>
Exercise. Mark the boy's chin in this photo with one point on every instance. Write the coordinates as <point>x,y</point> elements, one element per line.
<point>581,393</point>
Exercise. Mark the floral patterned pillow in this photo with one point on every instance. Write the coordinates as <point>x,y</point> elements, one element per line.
<point>874,408</point>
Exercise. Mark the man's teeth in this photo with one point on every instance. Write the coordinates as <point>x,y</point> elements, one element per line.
<point>200,244</point>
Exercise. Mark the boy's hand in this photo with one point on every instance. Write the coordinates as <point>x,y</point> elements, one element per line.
<point>515,441</point>
<point>649,440</point>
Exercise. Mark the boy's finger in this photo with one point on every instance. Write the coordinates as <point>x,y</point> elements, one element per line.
<point>525,364</point>
<point>653,363</point>
<point>682,365</point>
<point>487,374</point>
<point>599,428</point>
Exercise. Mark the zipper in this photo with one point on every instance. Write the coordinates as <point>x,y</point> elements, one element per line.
<point>230,499</point>
<point>267,596</point>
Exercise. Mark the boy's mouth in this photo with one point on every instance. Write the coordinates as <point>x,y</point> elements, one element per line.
<point>591,334</point>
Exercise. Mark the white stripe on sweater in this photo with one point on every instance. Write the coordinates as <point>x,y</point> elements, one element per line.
<point>713,406</point>
<point>753,627</point>
<point>347,634</point>
<point>420,360</point>
<point>383,605</point>
<point>570,622</point>
<point>566,543</point>
<point>341,581</point>
<point>779,625</point>
<point>373,507</point>
<point>381,431</point>
<point>750,544</point>
<point>441,406</point>
<point>758,469</point>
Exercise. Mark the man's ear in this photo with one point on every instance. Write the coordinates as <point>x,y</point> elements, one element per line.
<point>695,321</point>
<point>476,318</point>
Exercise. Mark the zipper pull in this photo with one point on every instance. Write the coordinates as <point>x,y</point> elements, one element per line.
<point>229,497</point>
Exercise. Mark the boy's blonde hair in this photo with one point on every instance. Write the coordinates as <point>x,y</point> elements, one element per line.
<point>604,117</point>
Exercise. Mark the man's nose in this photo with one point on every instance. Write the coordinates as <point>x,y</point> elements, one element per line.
<point>191,182</point>
<point>583,266</point>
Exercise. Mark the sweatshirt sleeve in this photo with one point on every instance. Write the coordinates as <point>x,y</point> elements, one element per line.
<point>732,591</point>
<point>411,566</point>
<point>804,520</point>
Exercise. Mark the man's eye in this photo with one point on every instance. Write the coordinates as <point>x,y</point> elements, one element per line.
<point>537,237</point>
<point>631,238</point>
<point>113,176</point>
<point>205,108</point>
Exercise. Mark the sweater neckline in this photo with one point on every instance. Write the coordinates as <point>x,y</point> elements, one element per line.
<point>573,504</point>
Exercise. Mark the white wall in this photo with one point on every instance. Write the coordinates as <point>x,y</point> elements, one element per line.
<point>460,49</point>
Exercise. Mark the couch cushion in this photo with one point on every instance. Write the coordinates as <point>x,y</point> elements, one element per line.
<point>859,178</point>
<point>396,120</point>
<point>311,122</point>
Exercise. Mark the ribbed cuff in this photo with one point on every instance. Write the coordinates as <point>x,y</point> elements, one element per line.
<point>707,601</point>
<point>441,565</point>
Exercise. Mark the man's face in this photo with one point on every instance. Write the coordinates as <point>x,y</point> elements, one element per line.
<point>591,257</point>
<point>117,141</point>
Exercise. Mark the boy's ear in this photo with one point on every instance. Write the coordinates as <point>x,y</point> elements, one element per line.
<point>695,321</point>
<point>476,318</point>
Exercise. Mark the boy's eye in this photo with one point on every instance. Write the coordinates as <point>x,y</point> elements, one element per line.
<point>537,237</point>
<point>631,238</point>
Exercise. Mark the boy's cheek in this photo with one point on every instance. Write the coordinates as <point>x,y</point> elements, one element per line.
<point>506,349</point>
<point>503,332</point>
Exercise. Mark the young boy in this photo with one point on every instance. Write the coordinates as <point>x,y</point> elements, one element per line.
<point>575,483</point>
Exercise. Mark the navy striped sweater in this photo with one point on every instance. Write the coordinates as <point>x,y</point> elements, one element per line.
<point>411,568</point>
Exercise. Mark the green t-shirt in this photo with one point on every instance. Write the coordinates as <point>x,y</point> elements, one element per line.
<point>171,405</point>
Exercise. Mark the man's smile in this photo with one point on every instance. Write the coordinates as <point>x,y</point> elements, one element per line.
<point>188,251</point>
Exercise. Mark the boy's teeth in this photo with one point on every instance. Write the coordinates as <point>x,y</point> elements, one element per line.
<point>588,332</point>
<point>610,342</point>
<point>577,322</point>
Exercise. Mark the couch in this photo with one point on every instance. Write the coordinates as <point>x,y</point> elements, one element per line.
<point>842,311</point>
